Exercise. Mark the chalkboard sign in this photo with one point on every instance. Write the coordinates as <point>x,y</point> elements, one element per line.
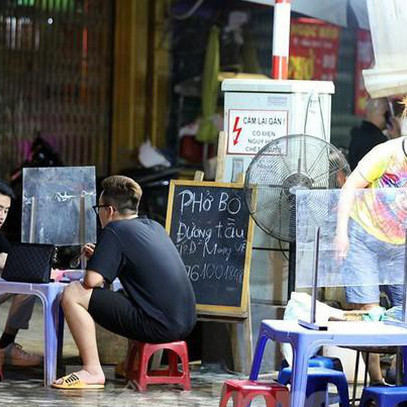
<point>211,227</point>
<point>57,205</point>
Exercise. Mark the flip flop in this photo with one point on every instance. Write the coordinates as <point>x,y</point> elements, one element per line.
<point>72,382</point>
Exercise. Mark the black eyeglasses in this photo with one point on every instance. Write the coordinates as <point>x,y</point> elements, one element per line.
<point>97,207</point>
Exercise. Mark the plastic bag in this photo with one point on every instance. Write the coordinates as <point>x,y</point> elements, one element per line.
<point>395,313</point>
<point>375,314</point>
<point>299,307</point>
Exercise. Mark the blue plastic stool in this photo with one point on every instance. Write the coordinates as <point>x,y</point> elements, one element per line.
<point>317,384</point>
<point>284,376</point>
<point>50,295</point>
<point>383,396</point>
<point>316,361</point>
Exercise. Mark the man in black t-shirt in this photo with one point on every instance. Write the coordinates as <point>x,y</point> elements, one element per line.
<point>370,132</point>
<point>22,305</point>
<point>159,305</point>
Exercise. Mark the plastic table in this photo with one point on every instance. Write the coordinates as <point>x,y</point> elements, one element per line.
<point>50,295</point>
<point>306,342</point>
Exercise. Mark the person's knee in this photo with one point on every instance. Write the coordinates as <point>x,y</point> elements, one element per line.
<point>73,294</point>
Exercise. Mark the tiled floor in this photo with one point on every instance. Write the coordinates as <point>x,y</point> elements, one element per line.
<point>24,387</point>
<point>22,391</point>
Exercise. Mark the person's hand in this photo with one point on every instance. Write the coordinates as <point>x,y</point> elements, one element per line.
<point>87,250</point>
<point>393,130</point>
<point>341,246</point>
<point>57,274</point>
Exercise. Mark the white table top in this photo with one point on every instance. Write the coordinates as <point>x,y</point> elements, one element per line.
<point>339,328</point>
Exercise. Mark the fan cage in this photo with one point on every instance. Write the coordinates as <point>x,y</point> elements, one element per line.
<point>281,168</point>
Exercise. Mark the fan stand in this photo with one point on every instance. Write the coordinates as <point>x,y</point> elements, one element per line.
<point>292,248</point>
<point>312,324</point>
<point>290,185</point>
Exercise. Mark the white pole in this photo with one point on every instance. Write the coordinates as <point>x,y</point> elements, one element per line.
<point>281,39</point>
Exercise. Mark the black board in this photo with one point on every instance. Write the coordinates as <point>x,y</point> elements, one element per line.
<point>211,227</point>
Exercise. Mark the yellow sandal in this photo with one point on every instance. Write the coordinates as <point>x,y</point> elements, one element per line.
<point>72,382</point>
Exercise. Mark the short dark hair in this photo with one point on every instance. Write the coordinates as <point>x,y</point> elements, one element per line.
<point>121,192</point>
<point>6,190</point>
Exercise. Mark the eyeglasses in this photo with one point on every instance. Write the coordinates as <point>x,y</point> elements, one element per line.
<point>97,207</point>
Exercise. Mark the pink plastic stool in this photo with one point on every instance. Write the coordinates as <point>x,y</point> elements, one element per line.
<point>243,391</point>
<point>140,354</point>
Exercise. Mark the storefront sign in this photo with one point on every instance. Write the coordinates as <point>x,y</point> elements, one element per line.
<point>313,50</point>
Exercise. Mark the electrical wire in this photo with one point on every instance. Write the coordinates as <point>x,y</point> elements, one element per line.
<point>188,14</point>
<point>312,94</point>
<point>282,250</point>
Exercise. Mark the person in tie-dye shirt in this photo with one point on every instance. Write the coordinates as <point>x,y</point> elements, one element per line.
<point>371,229</point>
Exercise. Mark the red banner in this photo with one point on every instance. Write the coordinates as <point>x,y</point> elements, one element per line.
<point>314,49</point>
<point>364,59</point>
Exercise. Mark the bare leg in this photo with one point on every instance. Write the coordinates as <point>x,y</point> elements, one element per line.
<point>375,372</point>
<point>75,302</point>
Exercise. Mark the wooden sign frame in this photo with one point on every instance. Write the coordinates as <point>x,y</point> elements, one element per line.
<point>219,310</point>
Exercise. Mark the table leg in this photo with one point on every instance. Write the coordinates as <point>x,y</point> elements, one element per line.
<point>60,339</point>
<point>52,330</point>
<point>302,352</point>
<point>51,344</point>
<point>258,355</point>
<point>355,378</point>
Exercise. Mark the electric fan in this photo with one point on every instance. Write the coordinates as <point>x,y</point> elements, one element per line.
<point>281,168</point>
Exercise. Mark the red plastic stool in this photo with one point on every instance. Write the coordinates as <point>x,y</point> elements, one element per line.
<point>243,391</point>
<point>137,368</point>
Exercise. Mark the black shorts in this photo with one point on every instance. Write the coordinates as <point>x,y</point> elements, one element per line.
<point>116,313</point>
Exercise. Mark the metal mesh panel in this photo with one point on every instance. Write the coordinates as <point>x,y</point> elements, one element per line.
<point>55,79</point>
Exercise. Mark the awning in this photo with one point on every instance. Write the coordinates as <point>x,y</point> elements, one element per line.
<point>332,11</point>
<point>388,21</point>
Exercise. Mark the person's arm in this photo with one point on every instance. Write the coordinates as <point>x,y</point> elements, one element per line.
<point>4,249</point>
<point>347,197</point>
<point>371,167</point>
<point>105,261</point>
<point>3,258</point>
<point>93,279</point>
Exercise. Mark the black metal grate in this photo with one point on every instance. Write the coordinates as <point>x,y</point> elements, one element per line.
<point>55,79</point>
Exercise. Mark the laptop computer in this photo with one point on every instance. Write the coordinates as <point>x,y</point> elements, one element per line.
<point>29,263</point>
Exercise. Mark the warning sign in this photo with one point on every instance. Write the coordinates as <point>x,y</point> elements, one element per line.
<point>250,130</point>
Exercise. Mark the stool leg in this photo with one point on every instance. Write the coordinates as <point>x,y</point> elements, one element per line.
<point>365,401</point>
<point>283,398</point>
<point>343,392</point>
<point>270,401</point>
<point>224,398</point>
<point>185,368</point>
<point>238,399</point>
<point>144,358</point>
<point>132,360</point>
<point>316,393</point>
<point>172,363</point>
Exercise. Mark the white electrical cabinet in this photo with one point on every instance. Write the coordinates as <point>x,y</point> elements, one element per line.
<point>257,111</point>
